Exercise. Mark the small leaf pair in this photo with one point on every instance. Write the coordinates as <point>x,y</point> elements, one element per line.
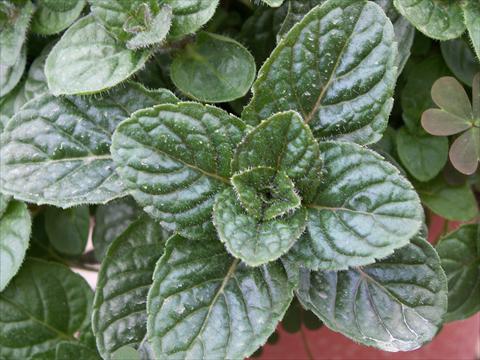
<point>456,115</point>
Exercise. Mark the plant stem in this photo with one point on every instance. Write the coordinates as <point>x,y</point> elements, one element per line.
<point>305,344</point>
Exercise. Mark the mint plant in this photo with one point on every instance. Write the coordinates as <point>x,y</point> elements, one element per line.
<point>214,202</point>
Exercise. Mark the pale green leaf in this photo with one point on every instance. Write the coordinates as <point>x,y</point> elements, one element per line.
<point>460,255</point>
<point>265,193</point>
<point>396,304</point>
<point>10,75</point>
<point>111,220</point>
<point>56,150</point>
<point>204,304</point>
<point>48,21</point>
<point>438,19</point>
<point>14,31</point>
<point>471,13</point>
<point>155,32</point>
<point>119,311</point>
<point>213,69</point>
<point>336,68</point>
<point>88,59</point>
<point>424,156</point>
<point>46,303</point>
<point>255,241</point>
<point>460,59</point>
<point>283,142</point>
<point>36,82</point>
<point>450,202</point>
<point>126,353</point>
<point>15,224</point>
<point>67,229</point>
<point>189,15</point>
<point>174,159</point>
<point>364,209</point>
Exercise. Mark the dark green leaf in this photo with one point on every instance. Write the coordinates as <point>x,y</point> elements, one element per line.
<point>336,68</point>
<point>424,156</point>
<point>49,21</point>
<point>283,142</point>
<point>88,59</point>
<point>111,220</point>
<point>15,224</point>
<point>460,255</point>
<point>460,59</point>
<point>255,241</point>
<point>265,193</point>
<point>174,159</point>
<point>471,11</point>
<point>396,304</point>
<point>56,150</point>
<point>68,229</point>
<point>204,304</point>
<point>119,310</point>
<point>213,69</point>
<point>69,350</point>
<point>438,19</point>
<point>364,209</point>
<point>45,304</point>
<point>450,202</point>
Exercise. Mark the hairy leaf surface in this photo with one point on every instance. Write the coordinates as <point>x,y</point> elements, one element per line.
<point>336,68</point>
<point>10,75</point>
<point>88,59</point>
<point>438,19</point>
<point>213,69</point>
<point>48,21</point>
<point>15,224</point>
<point>57,150</point>
<point>119,310</point>
<point>174,159</point>
<point>396,304</point>
<point>255,241</point>
<point>364,209</point>
<point>204,304</point>
<point>471,10</point>
<point>48,302</point>
<point>460,255</point>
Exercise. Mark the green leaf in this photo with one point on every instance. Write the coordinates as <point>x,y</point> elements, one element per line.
<point>119,311</point>
<point>396,304</point>
<point>111,220</point>
<point>471,13</point>
<point>213,69</point>
<point>14,30</point>
<point>15,224</point>
<point>68,229</point>
<point>155,33</point>
<point>190,15</point>
<point>364,209</point>
<point>68,350</point>
<point>123,18</point>
<point>415,97</point>
<point>273,3</point>
<point>438,19</point>
<point>283,142</point>
<point>88,59</point>
<point>126,353</point>
<point>255,241</point>
<point>56,150</point>
<point>460,255</point>
<point>424,156</point>
<point>10,75</point>
<point>11,103</point>
<point>36,82</point>
<point>465,151</point>
<point>336,68</point>
<point>204,304</point>
<point>49,21</point>
<point>450,202</point>
<point>265,193</point>
<point>46,303</point>
<point>174,159</point>
<point>460,59</point>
